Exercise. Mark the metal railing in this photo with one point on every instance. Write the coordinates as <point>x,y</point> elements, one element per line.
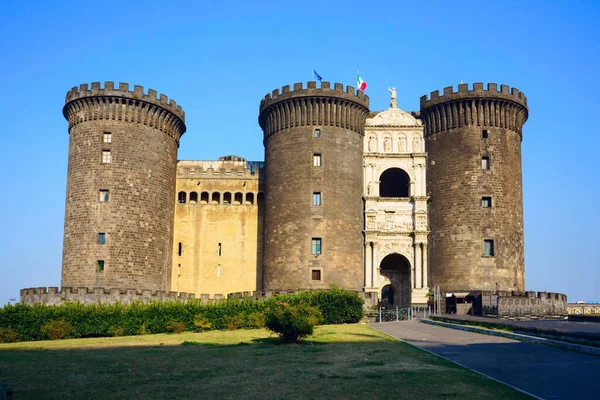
<point>412,313</point>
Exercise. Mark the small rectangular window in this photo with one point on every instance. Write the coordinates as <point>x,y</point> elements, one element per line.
<point>488,248</point>
<point>316,198</point>
<point>486,202</point>
<point>219,250</point>
<point>316,246</point>
<point>485,163</point>
<point>484,134</point>
<point>107,137</point>
<point>316,160</point>
<point>105,156</point>
<point>100,266</point>
<point>103,195</point>
<point>316,274</point>
<point>317,133</point>
<point>101,238</point>
<point>179,249</point>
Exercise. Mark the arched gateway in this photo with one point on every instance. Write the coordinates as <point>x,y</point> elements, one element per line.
<point>396,268</point>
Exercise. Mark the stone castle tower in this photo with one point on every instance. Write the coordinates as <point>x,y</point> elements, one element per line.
<point>313,186</point>
<point>473,141</point>
<point>120,187</point>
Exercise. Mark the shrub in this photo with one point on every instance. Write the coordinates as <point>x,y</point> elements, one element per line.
<point>116,331</point>
<point>142,330</point>
<point>292,321</point>
<point>233,322</point>
<point>99,320</point>
<point>57,329</point>
<point>201,322</point>
<point>9,335</point>
<point>176,327</point>
<point>257,319</point>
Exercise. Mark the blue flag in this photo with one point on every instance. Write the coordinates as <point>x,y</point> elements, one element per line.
<point>317,76</point>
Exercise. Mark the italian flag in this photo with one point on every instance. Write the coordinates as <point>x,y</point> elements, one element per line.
<point>362,85</point>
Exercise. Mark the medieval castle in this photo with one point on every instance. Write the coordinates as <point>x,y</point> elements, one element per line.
<point>388,202</point>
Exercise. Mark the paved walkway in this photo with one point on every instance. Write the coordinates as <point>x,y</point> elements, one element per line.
<point>546,372</point>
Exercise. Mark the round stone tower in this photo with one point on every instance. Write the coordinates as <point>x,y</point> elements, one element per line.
<point>473,141</point>
<point>120,187</point>
<point>313,141</point>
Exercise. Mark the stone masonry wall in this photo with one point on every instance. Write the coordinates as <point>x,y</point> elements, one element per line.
<point>289,120</point>
<point>137,219</point>
<point>454,127</point>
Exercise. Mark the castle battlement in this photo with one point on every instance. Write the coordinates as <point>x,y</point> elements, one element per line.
<point>123,91</point>
<point>87,295</point>
<point>477,92</point>
<point>220,169</point>
<point>311,90</point>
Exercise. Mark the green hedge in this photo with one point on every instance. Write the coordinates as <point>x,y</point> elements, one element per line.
<point>97,320</point>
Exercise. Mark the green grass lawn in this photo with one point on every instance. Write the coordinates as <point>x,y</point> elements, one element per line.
<point>338,361</point>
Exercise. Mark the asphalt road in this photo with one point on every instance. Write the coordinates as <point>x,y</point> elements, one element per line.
<point>546,372</point>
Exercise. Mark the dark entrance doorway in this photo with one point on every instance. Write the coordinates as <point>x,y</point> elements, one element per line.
<point>396,268</point>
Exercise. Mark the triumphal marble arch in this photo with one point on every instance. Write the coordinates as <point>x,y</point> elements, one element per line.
<point>395,207</point>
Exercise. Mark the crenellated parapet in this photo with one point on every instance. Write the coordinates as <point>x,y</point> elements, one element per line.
<point>86,103</point>
<point>86,295</point>
<point>219,169</point>
<point>325,106</point>
<point>492,107</point>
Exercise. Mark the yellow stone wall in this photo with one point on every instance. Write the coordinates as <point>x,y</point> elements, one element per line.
<point>228,211</point>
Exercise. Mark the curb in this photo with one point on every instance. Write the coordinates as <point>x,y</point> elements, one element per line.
<point>520,337</point>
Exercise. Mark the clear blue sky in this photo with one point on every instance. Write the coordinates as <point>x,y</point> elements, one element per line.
<point>218,59</point>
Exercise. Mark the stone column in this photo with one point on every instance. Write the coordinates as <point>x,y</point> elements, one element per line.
<point>423,187</point>
<point>368,266</point>
<point>418,254</point>
<point>425,283</point>
<point>374,274</point>
<point>418,181</point>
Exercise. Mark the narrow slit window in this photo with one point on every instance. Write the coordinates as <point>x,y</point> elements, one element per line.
<point>316,246</point>
<point>106,157</point>
<point>485,163</point>
<point>486,202</point>
<point>316,160</point>
<point>101,238</point>
<point>107,137</point>
<point>219,250</point>
<point>316,274</point>
<point>103,195</point>
<point>316,198</point>
<point>180,249</point>
<point>488,248</point>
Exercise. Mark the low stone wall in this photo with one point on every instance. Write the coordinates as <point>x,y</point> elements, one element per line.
<point>56,296</point>
<point>531,303</point>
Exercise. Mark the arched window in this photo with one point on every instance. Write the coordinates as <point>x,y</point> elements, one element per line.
<point>227,198</point>
<point>239,198</point>
<point>216,198</point>
<point>204,197</point>
<point>181,197</point>
<point>249,198</point>
<point>394,183</point>
<point>193,198</point>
